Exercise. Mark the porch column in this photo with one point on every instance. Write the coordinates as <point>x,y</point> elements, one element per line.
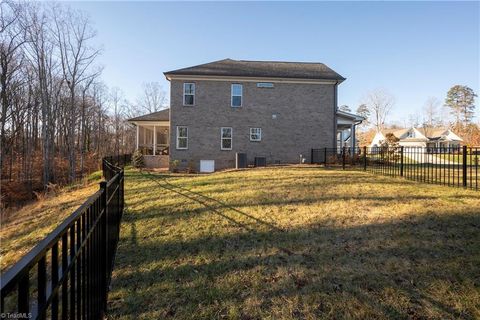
<point>352,137</point>
<point>154,140</point>
<point>138,137</point>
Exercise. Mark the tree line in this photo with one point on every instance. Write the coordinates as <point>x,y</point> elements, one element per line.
<point>58,118</point>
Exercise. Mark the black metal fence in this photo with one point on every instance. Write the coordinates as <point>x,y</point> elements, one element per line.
<point>458,167</point>
<point>68,273</point>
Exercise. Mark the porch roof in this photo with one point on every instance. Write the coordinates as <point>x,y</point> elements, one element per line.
<point>349,116</point>
<point>162,115</point>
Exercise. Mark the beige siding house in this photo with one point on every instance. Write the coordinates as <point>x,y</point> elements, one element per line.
<point>434,140</point>
<point>276,111</point>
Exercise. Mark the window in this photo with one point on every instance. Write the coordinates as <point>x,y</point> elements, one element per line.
<point>237,95</point>
<point>226,138</point>
<point>255,134</point>
<point>411,134</point>
<point>188,94</point>
<point>182,137</point>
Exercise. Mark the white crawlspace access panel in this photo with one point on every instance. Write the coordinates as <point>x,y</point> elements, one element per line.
<point>207,165</point>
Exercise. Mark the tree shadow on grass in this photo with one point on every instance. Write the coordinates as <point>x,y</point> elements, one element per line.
<point>422,267</point>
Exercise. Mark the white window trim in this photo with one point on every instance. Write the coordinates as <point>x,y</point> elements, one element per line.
<point>255,140</point>
<point>194,89</point>
<point>178,137</point>
<point>241,95</point>
<point>221,138</point>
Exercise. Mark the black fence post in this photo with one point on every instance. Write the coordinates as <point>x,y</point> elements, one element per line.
<point>343,158</point>
<point>464,166</point>
<point>311,156</point>
<point>325,157</point>
<point>401,161</point>
<point>104,263</point>
<point>364,158</point>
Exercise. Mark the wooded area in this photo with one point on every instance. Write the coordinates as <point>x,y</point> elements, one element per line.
<point>57,117</point>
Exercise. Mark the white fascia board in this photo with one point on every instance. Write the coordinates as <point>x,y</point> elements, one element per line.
<point>151,123</point>
<point>452,136</point>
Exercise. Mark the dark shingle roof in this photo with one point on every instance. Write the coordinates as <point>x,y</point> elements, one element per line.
<point>264,69</point>
<point>162,115</point>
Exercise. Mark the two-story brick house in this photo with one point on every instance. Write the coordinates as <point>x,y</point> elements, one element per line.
<point>276,110</point>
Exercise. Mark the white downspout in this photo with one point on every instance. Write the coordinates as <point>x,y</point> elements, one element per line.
<point>352,137</point>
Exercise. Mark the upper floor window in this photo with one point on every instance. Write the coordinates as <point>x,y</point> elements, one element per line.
<point>182,137</point>
<point>255,134</point>
<point>188,94</point>
<point>237,91</point>
<point>226,138</point>
<point>411,134</point>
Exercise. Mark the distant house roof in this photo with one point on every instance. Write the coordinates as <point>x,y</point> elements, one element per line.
<point>433,133</point>
<point>396,132</point>
<point>162,115</point>
<point>261,69</point>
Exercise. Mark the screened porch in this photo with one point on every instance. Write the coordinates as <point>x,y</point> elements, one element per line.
<point>153,139</point>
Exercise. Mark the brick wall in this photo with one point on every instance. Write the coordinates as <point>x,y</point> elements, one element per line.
<point>304,120</point>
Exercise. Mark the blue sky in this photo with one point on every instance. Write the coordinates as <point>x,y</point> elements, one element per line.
<point>415,50</point>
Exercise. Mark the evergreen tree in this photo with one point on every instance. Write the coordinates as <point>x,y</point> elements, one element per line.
<point>461,101</point>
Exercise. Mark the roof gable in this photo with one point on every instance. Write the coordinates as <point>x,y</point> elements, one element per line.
<point>260,69</point>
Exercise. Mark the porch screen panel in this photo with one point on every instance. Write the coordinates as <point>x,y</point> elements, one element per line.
<point>162,140</point>
<point>146,140</point>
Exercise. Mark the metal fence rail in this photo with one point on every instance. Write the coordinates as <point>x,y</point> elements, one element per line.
<point>456,167</point>
<point>68,273</point>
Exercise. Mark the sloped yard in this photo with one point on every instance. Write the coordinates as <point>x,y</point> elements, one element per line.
<point>295,243</point>
<point>23,229</point>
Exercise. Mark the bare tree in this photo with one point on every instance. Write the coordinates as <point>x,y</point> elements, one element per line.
<point>414,120</point>
<point>117,101</point>
<point>12,37</point>
<point>53,107</point>
<point>72,34</point>
<point>153,98</point>
<point>431,117</point>
<point>39,51</point>
<point>379,102</point>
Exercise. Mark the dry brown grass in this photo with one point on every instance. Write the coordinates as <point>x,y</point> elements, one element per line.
<point>295,243</point>
<point>21,230</point>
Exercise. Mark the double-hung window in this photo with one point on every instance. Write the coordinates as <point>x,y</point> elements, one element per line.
<point>182,137</point>
<point>226,138</point>
<point>188,94</point>
<point>237,92</point>
<point>255,134</point>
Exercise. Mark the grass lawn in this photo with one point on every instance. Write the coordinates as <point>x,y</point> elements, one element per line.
<point>472,160</point>
<point>21,230</point>
<point>295,243</point>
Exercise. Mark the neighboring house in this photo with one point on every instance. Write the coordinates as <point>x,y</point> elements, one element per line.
<point>274,110</point>
<point>433,140</point>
